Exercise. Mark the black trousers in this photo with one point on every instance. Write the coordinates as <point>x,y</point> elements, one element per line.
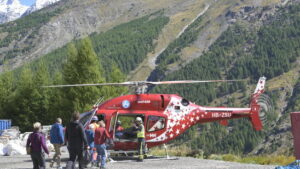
<point>76,153</point>
<point>38,159</point>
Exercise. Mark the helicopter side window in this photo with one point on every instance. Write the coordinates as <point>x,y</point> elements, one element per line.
<point>125,127</point>
<point>155,123</point>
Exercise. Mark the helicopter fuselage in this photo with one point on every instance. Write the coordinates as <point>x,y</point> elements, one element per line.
<point>165,116</point>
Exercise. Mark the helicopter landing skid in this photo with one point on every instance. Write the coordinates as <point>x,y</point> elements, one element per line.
<point>124,159</point>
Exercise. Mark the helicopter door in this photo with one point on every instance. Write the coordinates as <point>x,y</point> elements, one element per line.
<point>113,122</point>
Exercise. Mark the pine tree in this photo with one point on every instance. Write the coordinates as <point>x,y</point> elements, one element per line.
<point>115,76</point>
<point>24,104</point>
<point>40,79</point>
<point>6,90</point>
<point>82,67</point>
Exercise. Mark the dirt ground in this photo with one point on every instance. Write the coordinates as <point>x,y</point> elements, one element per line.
<point>24,162</point>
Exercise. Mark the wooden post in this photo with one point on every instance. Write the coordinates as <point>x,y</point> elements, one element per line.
<point>295,121</point>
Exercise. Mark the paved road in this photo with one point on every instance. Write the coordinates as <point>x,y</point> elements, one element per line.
<point>24,162</point>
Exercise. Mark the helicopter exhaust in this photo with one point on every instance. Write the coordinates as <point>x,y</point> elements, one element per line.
<point>256,114</point>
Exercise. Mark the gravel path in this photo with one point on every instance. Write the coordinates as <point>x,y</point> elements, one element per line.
<point>24,162</point>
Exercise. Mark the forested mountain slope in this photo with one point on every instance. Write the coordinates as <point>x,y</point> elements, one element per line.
<point>268,47</point>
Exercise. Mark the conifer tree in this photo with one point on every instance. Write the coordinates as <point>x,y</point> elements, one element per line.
<point>6,90</point>
<point>82,67</point>
<point>24,104</point>
<point>57,106</point>
<point>40,79</point>
<point>115,76</point>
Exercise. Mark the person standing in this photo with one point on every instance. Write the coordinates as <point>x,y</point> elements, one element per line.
<point>36,142</point>
<point>76,141</point>
<point>140,129</point>
<point>90,134</point>
<point>57,139</point>
<point>101,135</point>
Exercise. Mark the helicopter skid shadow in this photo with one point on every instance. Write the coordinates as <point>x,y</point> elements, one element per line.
<point>134,159</point>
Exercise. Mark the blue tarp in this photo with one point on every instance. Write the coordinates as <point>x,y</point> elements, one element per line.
<point>294,165</point>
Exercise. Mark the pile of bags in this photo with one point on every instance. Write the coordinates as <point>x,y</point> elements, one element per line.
<point>13,143</point>
<point>14,147</point>
<point>10,142</point>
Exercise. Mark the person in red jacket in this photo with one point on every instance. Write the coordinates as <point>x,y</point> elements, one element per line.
<point>101,135</point>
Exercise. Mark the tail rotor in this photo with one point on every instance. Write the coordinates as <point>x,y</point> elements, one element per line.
<point>266,109</point>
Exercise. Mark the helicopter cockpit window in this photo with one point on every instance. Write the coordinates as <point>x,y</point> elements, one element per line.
<point>155,123</point>
<point>185,102</point>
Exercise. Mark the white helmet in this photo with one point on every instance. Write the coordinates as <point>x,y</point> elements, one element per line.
<point>139,119</point>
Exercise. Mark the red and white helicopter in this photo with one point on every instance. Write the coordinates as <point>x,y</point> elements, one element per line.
<point>165,116</point>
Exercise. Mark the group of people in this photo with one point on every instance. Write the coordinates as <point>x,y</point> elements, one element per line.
<point>78,140</point>
<point>96,137</point>
<point>74,135</point>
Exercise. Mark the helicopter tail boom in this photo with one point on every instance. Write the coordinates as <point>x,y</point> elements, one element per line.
<point>255,107</point>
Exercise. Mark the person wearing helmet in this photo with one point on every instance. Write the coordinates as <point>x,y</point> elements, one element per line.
<point>94,123</point>
<point>118,126</point>
<point>119,130</point>
<point>140,129</point>
<point>90,134</point>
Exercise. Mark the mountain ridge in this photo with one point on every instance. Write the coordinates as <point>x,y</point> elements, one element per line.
<point>11,10</point>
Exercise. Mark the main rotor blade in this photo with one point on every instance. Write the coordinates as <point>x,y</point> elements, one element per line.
<point>139,83</point>
<point>94,84</point>
<point>191,81</point>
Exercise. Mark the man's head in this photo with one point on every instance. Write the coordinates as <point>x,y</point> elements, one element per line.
<point>58,120</point>
<point>101,123</point>
<point>75,116</point>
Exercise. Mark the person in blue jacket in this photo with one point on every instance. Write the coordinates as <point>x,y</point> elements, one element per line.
<point>57,139</point>
<point>90,134</point>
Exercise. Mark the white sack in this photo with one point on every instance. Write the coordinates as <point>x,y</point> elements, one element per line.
<point>14,147</point>
<point>1,149</point>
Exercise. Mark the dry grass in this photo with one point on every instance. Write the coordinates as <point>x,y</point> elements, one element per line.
<point>3,35</point>
<point>286,79</point>
<point>185,151</point>
<point>268,160</point>
<point>189,51</point>
<point>182,150</point>
<point>263,159</point>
